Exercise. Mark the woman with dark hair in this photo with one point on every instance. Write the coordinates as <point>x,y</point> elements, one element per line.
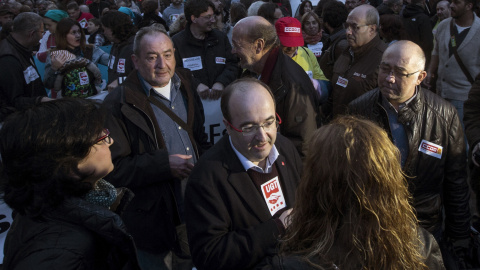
<point>55,156</point>
<point>119,29</point>
<point>71,67</point>
<point>391,28</point>
<point>305,6</point>
<point>270,11</point>
<point>312,33</point>
<point>150,15</point>
<point>352,209</point>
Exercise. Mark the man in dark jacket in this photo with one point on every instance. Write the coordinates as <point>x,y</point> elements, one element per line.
<point>418,26</point>
<point>256,44</point>
<point>157,124</point>
<point>205,51</point>
<point>427,131</point>
<point>20,83</point>
<point>241,191</point>
<point>355,71</point>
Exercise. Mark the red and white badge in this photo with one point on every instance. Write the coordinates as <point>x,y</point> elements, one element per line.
<point>431,149</point>
<point>342,81</point>
<point>273,195</point>
<point>121,65</point>
<point>83,78</point>
<point>220,60</point>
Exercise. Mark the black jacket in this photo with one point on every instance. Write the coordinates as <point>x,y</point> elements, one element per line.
<point>120,60</point>
<point>229,225</point>
<point>142,162</point>
<point>435,183</point>
<point>15,92</point>
<point>218,62</point>
<point>75,235</point>
<point>418,29</point>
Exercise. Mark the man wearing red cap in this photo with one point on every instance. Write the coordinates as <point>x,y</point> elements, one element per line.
<point>255,42</point>
<point>289,31</point>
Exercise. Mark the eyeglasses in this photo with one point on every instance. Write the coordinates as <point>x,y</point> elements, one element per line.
<point>252,129</point>
<point>353,26</point>
<point>74,33</point>
<point>106,137</point>
<point>385,69</point>
<point>208,17</point>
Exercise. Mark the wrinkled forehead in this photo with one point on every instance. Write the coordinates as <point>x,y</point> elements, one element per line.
<point>357,16</point>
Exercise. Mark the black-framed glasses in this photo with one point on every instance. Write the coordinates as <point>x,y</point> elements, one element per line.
<point>105,137</point>
<point>248,130</point>
<point>353,26</point>
<point>397,74</point>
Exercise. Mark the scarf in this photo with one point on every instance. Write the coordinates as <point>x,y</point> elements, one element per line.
<point>312,39</point>
<point>102,194</point>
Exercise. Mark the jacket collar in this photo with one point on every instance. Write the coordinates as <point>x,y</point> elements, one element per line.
<point>365,48</point>
<point>210,38</point>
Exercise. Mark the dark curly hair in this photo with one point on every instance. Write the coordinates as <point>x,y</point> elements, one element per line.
<point>196,7</point>
<point>391,27</point>
<point>120,23</point>
<point>41,148</point>
<point>334,13</point>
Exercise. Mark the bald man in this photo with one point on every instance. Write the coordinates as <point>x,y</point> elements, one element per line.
<point>427,131</point>
<point>255,42</point>
<point>241,191</point>
<point>355,71</point>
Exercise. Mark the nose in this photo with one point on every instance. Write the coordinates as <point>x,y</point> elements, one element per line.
<point>348,30</point>
<point>261,135</point>
<point>390,77</point>
<point>160,62</point>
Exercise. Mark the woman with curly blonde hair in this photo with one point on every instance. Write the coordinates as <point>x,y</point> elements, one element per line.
<point>352,209</point>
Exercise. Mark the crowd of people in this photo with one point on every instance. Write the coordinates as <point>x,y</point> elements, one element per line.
<point>240,134</point>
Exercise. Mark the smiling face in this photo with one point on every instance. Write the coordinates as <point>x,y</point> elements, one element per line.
<point>74,36</point>
<point>252,105</point>
<point>156,60</point>
<point>205,22</point>
<point>244,50</point>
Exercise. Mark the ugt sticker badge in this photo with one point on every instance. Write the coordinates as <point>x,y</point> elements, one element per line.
<point>273,195</point>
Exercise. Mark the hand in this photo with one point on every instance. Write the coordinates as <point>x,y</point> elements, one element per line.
<point>476,154</point>
<point>112,86</point>
<point>58,61</point>
<point>46,99</point>
<point>285,217</point>
<point>180,166</point>
<point>427,83</point>
<point>217,91</point>
<point>203,91</point>
<point>317,87</point>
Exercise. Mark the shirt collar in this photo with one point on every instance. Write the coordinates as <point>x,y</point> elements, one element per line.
<point>387,103</point>
<point>175,81</point>
<point>247,164</point>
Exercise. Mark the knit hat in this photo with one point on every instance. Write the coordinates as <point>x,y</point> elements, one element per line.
<point>56,15</point>
<point>289,31</point>
<point>129,12</point>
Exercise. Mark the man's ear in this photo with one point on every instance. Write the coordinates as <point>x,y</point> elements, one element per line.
<point>135,60</point>
<point>421,76</point>
<point>227,126</point>
<point>259,45</point>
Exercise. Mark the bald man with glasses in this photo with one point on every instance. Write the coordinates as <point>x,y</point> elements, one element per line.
<point>355,71</point>
<point>427,131</point>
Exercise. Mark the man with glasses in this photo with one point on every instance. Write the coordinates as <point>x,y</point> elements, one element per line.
<point>355,71</point>
<point>20,83</point>
<point>205,51</point>
<point>241,191</point>
<point>427,131</point>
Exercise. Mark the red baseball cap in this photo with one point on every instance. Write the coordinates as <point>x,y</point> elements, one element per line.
<point>289,31</point>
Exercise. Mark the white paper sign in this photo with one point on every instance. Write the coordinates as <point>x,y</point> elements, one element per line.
<point>342,81</point>
<point>214,126</point>
<point>111,62</point>
<point>193,63</point>
<point>30,74</point>
<point>121,65</point>
<point>83,75</point>
<point>273,195</point>
<point>316,48</point>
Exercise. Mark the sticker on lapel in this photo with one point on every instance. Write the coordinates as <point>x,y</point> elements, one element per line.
<point>273,195</point>
<point>431,149</point>
<point>342,81</point>
<point>220,60</point>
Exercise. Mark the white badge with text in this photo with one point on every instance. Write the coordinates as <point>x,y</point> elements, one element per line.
<point>193,63</point>
<point>220,60</point>
<point>121,65</point>
<point>111,62</point>
<point>342,81</point>
<point>83,78</point>
<point>431,149</point>
<point>30,74</point>
<point>273,195</point>
<point>316,48</point>
<point>310,74</point>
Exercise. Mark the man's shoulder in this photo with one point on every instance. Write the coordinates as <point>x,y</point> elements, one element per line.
<point>445,24</point>
<point>366,100</point>
<point>433,102</point>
